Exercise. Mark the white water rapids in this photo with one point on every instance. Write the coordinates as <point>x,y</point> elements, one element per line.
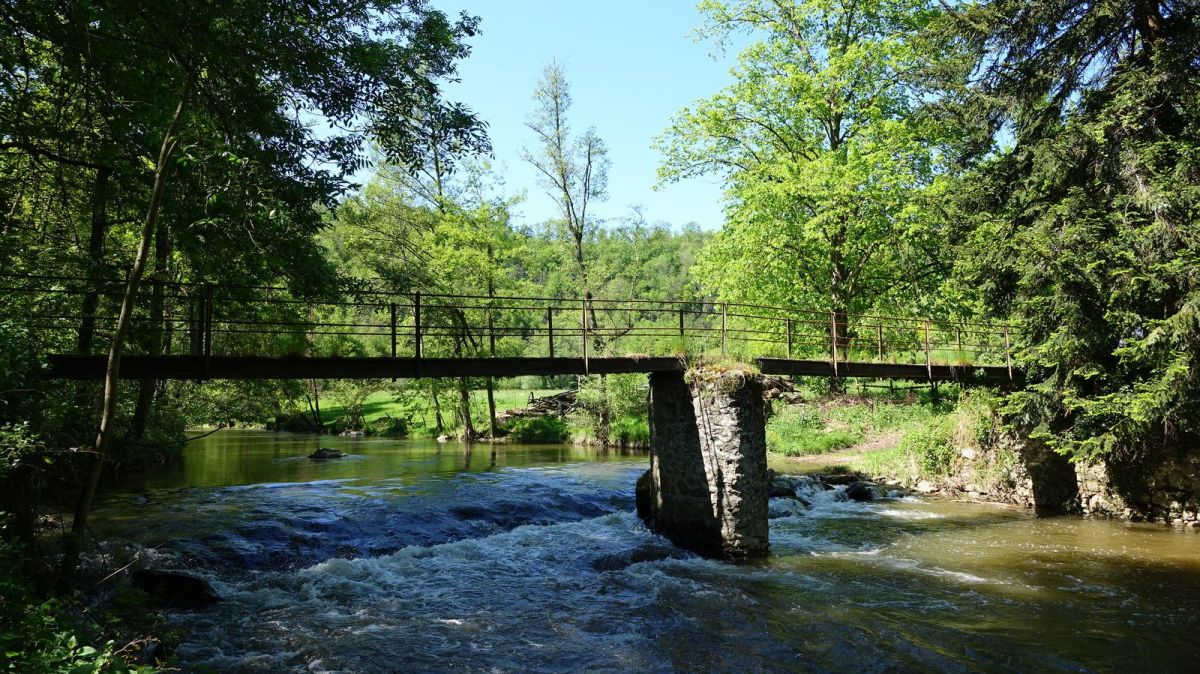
<point>412,558</point>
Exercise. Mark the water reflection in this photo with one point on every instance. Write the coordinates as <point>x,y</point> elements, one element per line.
<point>242,457</point>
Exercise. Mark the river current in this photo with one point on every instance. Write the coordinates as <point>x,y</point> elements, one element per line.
<point>409,556</point>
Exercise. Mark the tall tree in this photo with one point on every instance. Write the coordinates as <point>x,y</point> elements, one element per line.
<point>1085,225</point>
<point>574,172</point>
<point>219,96</point>
<point>822,154</point>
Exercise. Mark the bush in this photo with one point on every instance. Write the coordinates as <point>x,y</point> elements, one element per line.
<point>539,430</point>
<point>932,446</point>
<point>40,636</point>
<point>389,425</point>
<point>631,432</point>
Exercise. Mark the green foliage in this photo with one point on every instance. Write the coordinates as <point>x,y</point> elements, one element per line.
<point>45,636</point>
<point>931,445</point>
<point>605,401</point>
<point>18,444</point>
<point>827,425</point>
<point>891,461</point>
<point>539,430</point>
<point>630,431</point>
<point>823,155</point>
<point>1083,228</point>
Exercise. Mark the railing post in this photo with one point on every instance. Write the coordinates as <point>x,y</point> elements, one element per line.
<point>879,336</point>
<point>392,321</point>
<point>392,311</point>
<point>681,321</point>
<point>833,354</point>
<point>208,319</point>
<point>958,340</point>
<point>584,333</point>
<point>194,334</point>
<point>550,328</point>
<point>491,333</point>
<point>417,347</point>
<point>724,330</point>
<point>789,338</point>
<point>208,326</point>
<point>1008,354</point>
<point>928,350</point>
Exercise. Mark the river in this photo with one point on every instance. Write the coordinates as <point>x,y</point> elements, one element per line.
<point>409,556</point>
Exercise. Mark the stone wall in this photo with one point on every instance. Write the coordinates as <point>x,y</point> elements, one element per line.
<point>1159,488</point>
<point>1016,469</point>
<point>707,485</point>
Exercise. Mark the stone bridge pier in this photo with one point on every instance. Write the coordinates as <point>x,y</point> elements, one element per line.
<point>707,486</point>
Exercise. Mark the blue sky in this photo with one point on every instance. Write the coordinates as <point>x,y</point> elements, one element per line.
<point>631,66</point>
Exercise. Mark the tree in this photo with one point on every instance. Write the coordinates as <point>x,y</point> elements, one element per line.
<point>219,96</point>
<point>574,171</point>
<point>1083,224</point>
<point>431,232</point>
<point>823,156</point>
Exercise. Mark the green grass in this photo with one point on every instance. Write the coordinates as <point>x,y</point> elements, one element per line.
<point>382,404</point>
<point>822,426</point>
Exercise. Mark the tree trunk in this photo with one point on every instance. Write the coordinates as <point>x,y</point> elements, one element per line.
<point>148,388</point>
<point>313,397</point>
<point>493,429</point>
<point>838,329</point>
<point>73,546</point>
<point>437,411</point>
<point>91,298</point>
<point>604,429</point>
<point>464,409</point>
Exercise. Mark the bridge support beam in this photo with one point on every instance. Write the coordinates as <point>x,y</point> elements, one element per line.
<point>707,485</point>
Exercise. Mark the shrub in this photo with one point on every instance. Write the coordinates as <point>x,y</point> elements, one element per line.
<point>389,425</point>
<point>41,636</point>
<point>539,430</point>
<point>932,445</point>
<point>631,431</point>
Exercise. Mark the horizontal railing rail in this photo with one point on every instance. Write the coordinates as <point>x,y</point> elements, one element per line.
<point>200,319</point>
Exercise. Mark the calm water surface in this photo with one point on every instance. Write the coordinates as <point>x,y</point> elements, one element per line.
<point>408,556</point>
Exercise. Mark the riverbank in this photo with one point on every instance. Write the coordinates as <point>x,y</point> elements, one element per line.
<point>959,447</point>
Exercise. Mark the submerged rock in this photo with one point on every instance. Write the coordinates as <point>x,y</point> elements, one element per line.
<point>324,453</point>
<point>653,552</point>
<point>171,589</point>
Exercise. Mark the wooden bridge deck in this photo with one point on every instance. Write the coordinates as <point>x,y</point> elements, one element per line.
<point>260,367</point>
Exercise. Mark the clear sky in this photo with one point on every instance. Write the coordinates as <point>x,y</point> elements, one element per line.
<point>631,66</point>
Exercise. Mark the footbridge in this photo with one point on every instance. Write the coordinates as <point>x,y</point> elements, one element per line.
<point>205,331</point>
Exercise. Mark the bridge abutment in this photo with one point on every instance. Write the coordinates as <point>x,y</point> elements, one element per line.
<point>707,485</point>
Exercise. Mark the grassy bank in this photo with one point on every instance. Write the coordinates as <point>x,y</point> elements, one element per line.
<point>909,438</point>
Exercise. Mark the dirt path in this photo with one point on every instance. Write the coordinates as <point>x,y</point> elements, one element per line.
<point>844,457</point>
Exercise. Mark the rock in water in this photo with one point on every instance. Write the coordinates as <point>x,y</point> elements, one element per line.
<point>781,487</point>
<point>171,589</point>
<point>643,495</point>
<point>324,453</point>
<point>862,491</point>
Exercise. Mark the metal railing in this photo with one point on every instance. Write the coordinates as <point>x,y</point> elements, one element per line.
<point>205,320</point>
